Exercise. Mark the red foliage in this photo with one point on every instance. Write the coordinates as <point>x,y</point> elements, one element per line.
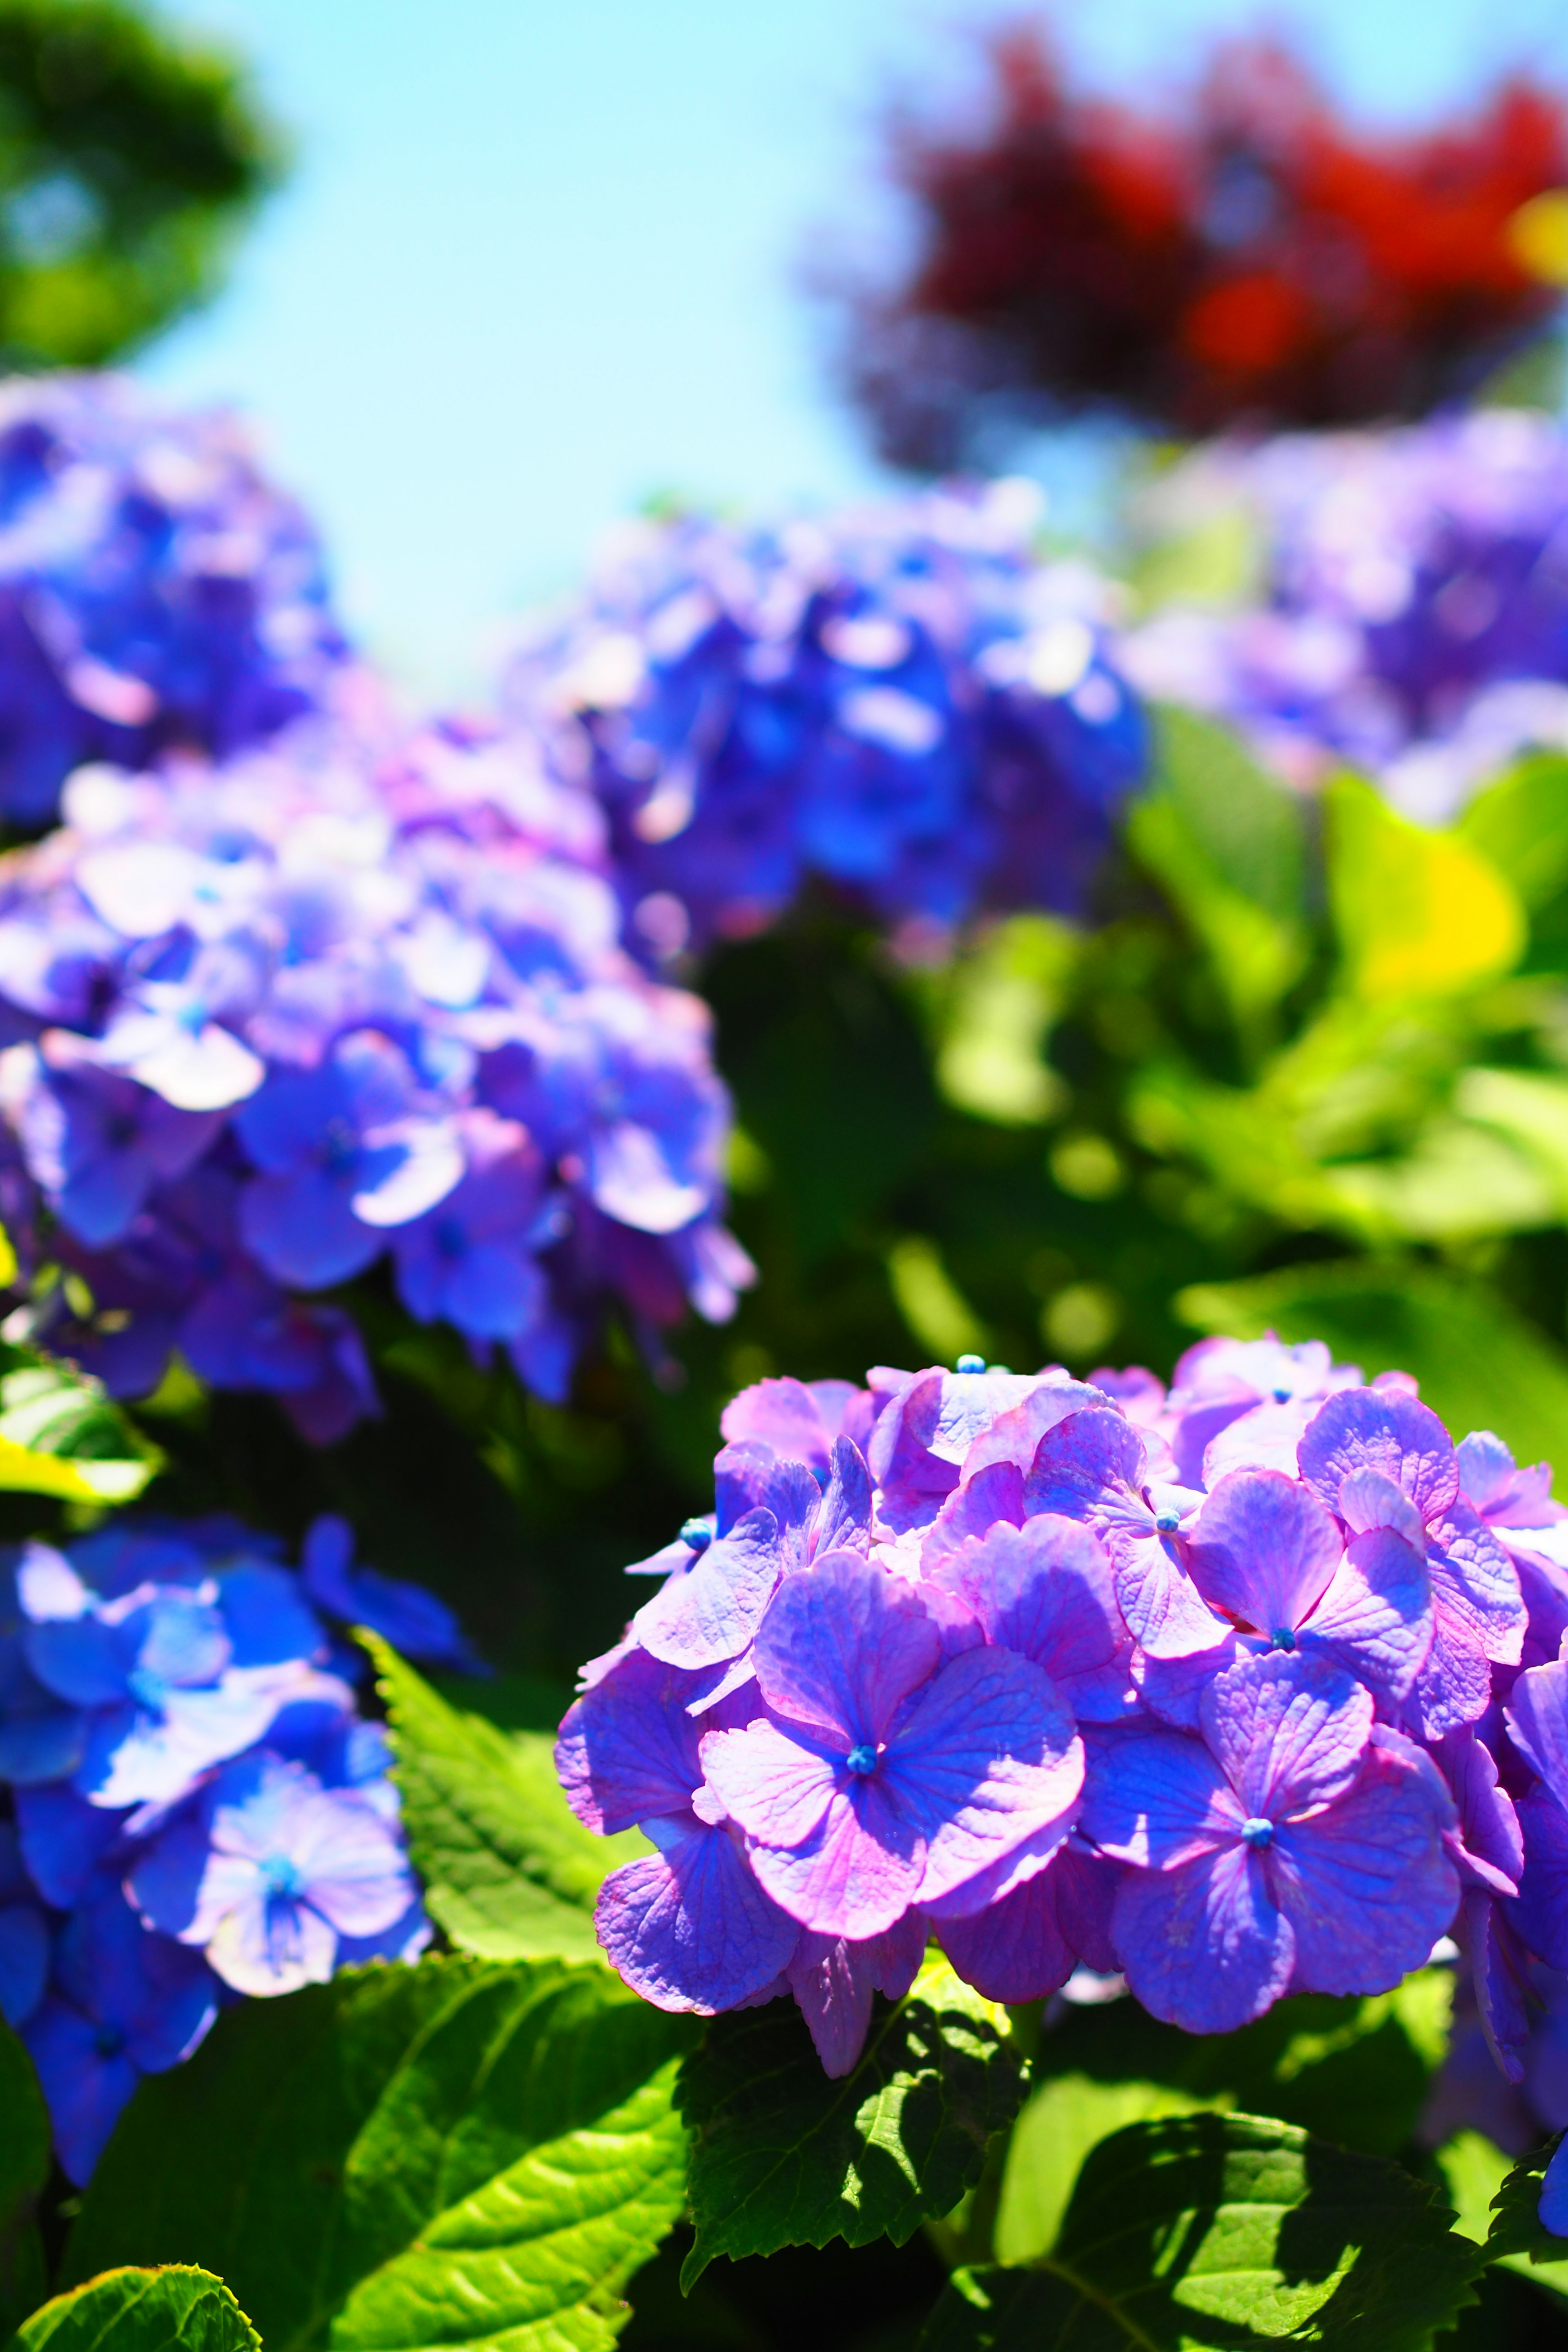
<point>1252,258</point>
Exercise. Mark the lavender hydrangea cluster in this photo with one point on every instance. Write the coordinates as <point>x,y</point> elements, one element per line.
<point>156,589</point>
<point>1411,615</point>
<point>898,700</point>
<point>357,993</point>
<point>1249,1687</point>
<point>199,1810</point>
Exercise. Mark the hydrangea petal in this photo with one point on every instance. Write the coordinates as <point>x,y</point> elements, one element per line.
<point>1366,1884</point>
<point>1370,1429</point>
<point>689,1928</point>
<point>1203,1945</point>
<point>713,1611</point>
<point>1263,1549</point>
<point>1289,1732</point>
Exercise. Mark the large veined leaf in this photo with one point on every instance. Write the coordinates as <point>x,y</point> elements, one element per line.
<point>783,2156</point>
<point>509,1871</point>
<point>1479,1364</point>
<point>23,2170</point>
<point>1208,2233</point>
<point>1354,2070</point>
<point>61,1434</point>
<point>461,2153</point>
<point>1419,913</point>
<point>177,2309</point>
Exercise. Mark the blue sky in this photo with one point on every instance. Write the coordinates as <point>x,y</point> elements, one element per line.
<point>541,259</point>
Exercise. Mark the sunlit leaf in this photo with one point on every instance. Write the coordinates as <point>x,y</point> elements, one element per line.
<point>177,2309</point>
<point>1418,912</point>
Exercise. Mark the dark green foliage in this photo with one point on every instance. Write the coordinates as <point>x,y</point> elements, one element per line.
<point>507,1871</point>
<point>174,2310</point>
<point>781,2156</point>
<point>1209,2234</point>
<point>128,158</point>
<point>24,2171</point>
<point>450,2153</point>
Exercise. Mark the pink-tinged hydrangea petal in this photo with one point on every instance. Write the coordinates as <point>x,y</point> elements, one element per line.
<point>689,1928</point>
<point>1157,1798</point>
<point>1288,1732</point>
<point>1165,1614</point>
<point>972,1401</point>
<point>1263,1550</point>
<point>900,1457</point>
<point>994,1496</point>
<point>859,1871</point>
<point>1204,1946</point>
<point>834,1983</point>
<point>713,1612</point>
<point>843,1522</point>
<point>784,1415</point>
<point>267,1949</point>
<point>1375,1619</point>
<point>1368,1499</point>
<point>1506,1495</point>
<point>1500,1972</point>
<point>1004,1876</point>
<point>1454,1686</point>
<point>1542,1910</point>
<point>1013,1436</point>
<point>1365,1881</point>
<point>843,1643</point>
<point>1091,1466</point>
<point>776,1782</point>
<point>986,1758</point>
<point>351,1861</point>
<point>1171,1688</point>
<point>627,1747</point>
<point>1016,1952</point>
<point>1140,1392</point>
<point>1537,1719</point>
<point>1376,1429</point>
<point>1486,1843</point>
<point>1476,1584</point>
<point>1044,1590</point>
<point>1265,1438</point>
<point>1085,1890</point>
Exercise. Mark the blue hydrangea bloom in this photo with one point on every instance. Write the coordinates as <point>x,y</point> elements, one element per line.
<point>156,589</point>
<point>1206,1688</point>
<point>356,996</point>
<point>220,1814</point>
<point>896,700</point>
<point>1409,612</point>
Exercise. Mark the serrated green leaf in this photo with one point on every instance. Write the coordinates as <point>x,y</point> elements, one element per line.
<point>1474,2169</point>
<point>783,2156</point>
<point>1479,1364</point>
<point>1516,2241</point>
<point>141,2311</point>
<point>62,1434</point>
<point>509,1871</point>
<point>1211,2234</point>
<point>23,2170</point>
<point>461,2152</point>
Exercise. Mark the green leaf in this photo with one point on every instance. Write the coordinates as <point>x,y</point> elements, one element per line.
<point>993,1006</point>
<point>783,2156</point>
<point>1228,845</point>
<point>509,1871</point>
<point>461,2152</point>
<point>1516,2241</point>
<point>1520,824</point>
<point>141,2311</point>
<point>61,1434</point>
<point>24,2171</point>
<point>1208,2232</point>
<point>1479,1364</point>
<point>1419,913</point>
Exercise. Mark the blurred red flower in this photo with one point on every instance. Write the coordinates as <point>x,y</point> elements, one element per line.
<point>1250,257</point>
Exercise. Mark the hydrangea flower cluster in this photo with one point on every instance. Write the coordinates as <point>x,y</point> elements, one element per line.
<point>896,698</point>
<point>1413,609</point>
<point>1244,1688</point>
<point>156,589</point>
<point>353,993</point>
<point>198,1809</point>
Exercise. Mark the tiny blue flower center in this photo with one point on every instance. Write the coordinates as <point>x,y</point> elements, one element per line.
<point>1281,1396</point>
<point>280,1876</point>
<point>1282,1638</point>
<point>192,1017</point>
<point>697,1533</point>
<point>970,1364</point>
<point>862,1759</point>
<point>1257,1831</point>
<point>1167,1521</point>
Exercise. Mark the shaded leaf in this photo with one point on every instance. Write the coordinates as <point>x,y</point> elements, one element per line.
<point>453,2153</point>
<point>1479,1364</point>
<point>509,1871</point>
<point>23,2170</point>
<point>1474,2169</point>
<point>783,2156</point>
<point>141,2311</point>
<point>1209,2234</point>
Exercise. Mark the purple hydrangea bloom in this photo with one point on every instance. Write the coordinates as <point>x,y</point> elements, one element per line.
<point>1412,612</point>
<point>1291,1845</point>
<point>156,589</point>
<point>899,699</point>
<point>355,995</point>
